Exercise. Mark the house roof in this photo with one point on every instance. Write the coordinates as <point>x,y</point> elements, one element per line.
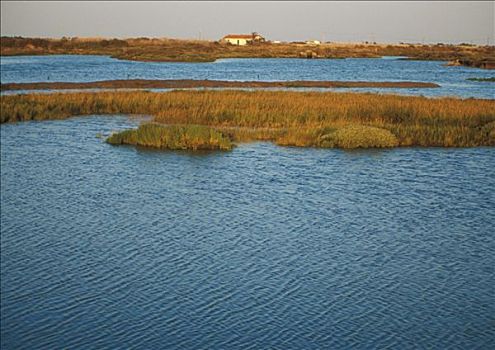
<point>238,36</point>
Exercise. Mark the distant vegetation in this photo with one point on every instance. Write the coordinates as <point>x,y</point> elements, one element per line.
<point>146,49</point>
<point>492,79</point>
<point>306,119</point>
<point>174,137</point>
<point>480,62</point>
<point>189,83</point>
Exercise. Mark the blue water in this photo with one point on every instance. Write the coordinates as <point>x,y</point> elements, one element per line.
<point>66,68</point>
<point>264,247</point>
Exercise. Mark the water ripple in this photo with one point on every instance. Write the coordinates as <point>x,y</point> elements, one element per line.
<point>265,247</point>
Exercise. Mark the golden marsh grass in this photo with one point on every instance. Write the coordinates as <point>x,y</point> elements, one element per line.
<point>288,118</point>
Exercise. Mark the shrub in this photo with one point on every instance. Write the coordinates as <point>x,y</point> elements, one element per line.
<point>359,136</point>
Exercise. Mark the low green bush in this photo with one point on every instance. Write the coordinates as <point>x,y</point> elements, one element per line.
<point>358,136</point>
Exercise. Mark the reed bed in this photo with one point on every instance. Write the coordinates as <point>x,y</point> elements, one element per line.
<point>288,118</point>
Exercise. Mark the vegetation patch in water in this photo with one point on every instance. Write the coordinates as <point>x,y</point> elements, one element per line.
<point>191,84</point>
<point>173,137</point>
<point>491,79</point>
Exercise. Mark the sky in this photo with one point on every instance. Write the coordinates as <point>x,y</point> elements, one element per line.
<point>339,21</point>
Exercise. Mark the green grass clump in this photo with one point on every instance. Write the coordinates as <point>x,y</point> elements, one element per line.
<point>492,79</point>
<point>126,137</point>
<point>173,137</point>
<point>359,136</point>
<point>350,136</point>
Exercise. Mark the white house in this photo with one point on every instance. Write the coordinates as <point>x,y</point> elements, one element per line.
<point>242,39</point>
<point>313,42</point>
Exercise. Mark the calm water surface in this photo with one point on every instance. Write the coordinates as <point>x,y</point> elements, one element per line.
<point>263,247</point>
<point>67,68</point>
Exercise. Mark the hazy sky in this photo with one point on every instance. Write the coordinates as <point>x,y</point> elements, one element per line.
<point>442,21</point>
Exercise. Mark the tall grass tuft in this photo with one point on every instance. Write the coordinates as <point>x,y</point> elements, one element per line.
<point>174,137</point>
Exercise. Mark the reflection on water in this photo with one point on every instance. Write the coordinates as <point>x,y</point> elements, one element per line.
<point>262,247</point>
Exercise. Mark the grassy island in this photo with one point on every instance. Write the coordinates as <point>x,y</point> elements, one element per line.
<point>305,119</point>
<point>174,137</point>
<point>190,83</point>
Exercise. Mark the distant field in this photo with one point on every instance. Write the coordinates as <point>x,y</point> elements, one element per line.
<point>302,119</point>
<point>145,49</point>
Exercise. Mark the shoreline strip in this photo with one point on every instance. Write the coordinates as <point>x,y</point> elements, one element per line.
<point>191,83</point>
